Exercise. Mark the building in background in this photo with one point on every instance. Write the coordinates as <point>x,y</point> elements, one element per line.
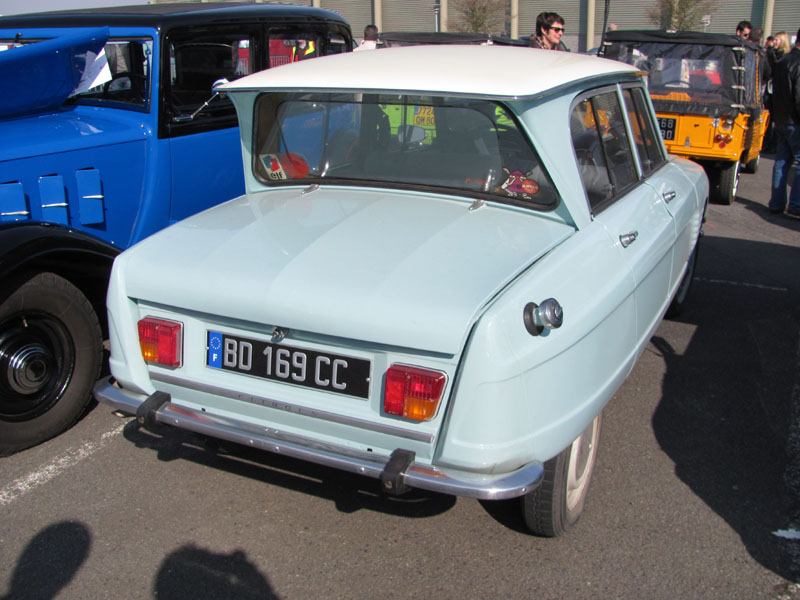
<point>584,18</point>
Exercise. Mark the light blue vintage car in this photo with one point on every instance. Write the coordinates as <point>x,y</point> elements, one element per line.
<point>437,277</point>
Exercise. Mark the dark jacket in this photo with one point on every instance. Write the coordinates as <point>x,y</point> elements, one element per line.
<point>786,89</point>
<point>773,56</point>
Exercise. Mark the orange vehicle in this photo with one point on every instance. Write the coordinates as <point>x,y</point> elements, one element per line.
<point>707,92</point>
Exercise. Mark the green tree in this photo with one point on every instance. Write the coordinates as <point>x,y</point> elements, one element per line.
<point>480,16</point>
<point>683,15</point>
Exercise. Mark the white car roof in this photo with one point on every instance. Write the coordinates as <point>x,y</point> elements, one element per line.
<point>497,71</point>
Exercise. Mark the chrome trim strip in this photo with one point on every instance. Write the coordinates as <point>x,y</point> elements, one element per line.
<point>458,483</point>
<point>417,436</point>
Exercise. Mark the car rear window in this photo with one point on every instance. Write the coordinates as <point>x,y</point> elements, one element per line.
<point>470,146</point>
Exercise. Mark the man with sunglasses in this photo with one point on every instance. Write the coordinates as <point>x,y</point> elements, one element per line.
<point>743,29</point>
<point>549,29</point>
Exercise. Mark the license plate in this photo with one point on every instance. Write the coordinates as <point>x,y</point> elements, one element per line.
<point>424,116</point>
<point>296,366</point>
<point>667,127</point>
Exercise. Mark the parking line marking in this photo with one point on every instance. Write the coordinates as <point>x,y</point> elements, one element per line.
<point>54,468</point>
<point>789,534</point>
<point>770,288</point>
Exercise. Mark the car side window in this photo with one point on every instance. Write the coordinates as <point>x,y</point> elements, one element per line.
<point>602,148</point>
<point>130,68</point>
<point>645,136</point>
<point>197,61</point>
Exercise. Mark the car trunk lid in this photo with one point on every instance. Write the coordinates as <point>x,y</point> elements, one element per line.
<point>403,270</point>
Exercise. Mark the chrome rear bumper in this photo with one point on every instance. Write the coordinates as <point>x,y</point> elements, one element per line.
<point>416,475</point>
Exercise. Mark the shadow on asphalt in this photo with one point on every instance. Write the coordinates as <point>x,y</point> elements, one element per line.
<point>349,492</point>
<point>50,561</point>
<point>729,417</point>
<point>192,572</point>
<point>783,220</point>
<point>54,555</point>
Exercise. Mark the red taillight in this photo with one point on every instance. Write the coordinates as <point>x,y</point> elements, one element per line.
<point>161,341</point>
<point>413,392</point>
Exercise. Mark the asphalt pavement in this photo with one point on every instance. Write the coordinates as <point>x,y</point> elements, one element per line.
<point>695,494</point>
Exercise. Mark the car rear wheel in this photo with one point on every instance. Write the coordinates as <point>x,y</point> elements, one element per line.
<point>555,506</point>
<point>50,356</point>
<point>725,183</point>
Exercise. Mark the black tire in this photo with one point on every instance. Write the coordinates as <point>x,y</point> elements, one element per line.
<point>678,302</point>
<point>725,183</point>
<point>50,357</point>
<point>556,505</point>
<point>751,166</point>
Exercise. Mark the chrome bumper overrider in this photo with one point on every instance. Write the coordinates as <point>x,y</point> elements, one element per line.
<point>416,475</point>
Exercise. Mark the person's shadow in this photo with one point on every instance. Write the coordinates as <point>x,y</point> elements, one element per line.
<point>50,561</point>
<point>192,572</point>
<point>729,416</point>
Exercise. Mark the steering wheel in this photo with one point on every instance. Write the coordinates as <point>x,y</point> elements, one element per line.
<point>135,91</point>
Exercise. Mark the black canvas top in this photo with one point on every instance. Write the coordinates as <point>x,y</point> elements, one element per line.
<point>691,72</point>
<point>677,37</point>
<point>414,38</point>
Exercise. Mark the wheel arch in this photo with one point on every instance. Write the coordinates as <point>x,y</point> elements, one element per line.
<point>27,249</point>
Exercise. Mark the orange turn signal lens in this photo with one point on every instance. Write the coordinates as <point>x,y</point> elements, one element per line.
<point>413,392</point>
<point>161,341</point>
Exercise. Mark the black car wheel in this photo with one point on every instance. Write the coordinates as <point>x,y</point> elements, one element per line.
<point>751,166</point>
<point>50,355</point>
<point>725,183</point>
<point>555,506</point>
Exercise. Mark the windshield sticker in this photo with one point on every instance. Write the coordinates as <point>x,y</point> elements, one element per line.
<point>273,168</point>
<point>286,165</point>
<point>519,184</point>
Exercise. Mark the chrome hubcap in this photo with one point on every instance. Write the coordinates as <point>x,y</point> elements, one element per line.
<point>28,368</point>
<point>37,358</point>
<point>581,462</point>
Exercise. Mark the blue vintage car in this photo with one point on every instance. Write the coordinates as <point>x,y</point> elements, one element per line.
<point>110,131</point>
<point>437,277</point>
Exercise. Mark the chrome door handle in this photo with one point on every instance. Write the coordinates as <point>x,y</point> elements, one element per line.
<point>626,239</point>
<point>669,196</point>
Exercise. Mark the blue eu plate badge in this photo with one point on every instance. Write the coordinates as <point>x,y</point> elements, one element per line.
<point>215,349</point>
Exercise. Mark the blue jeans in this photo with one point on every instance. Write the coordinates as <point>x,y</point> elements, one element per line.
<point>787,155</point>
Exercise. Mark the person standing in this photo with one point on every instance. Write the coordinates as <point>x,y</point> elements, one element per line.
<point>549,29</point>
<point>775,51</point>
<point>743,29</point>
<point>370,40</point>
<point>786,115</point>
<point>780,48</point>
